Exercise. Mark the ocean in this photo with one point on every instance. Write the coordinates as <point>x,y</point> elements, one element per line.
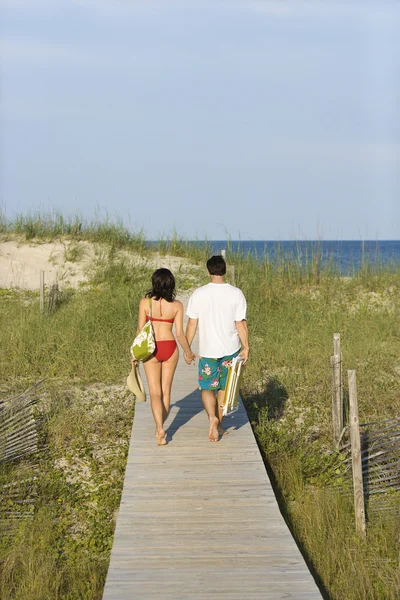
<point>346,257</point>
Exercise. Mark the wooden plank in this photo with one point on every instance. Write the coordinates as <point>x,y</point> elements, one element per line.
<point>337,389</point>
<point>200,519</point>
<point>356,455</point>
<point>339,380</point>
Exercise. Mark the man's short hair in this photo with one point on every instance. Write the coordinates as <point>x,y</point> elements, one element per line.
<point>216,265</point>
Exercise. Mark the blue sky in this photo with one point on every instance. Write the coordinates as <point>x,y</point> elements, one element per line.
<point>260,119</point>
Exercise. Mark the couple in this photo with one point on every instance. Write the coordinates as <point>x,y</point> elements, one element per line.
<point>220,311</point>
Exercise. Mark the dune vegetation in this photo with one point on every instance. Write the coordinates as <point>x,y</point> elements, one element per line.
<point>59,504</point>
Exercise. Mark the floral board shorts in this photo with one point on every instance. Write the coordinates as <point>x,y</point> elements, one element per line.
<point>213,372</point>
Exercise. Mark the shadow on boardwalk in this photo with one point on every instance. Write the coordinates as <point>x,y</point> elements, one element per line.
<point>191,405</point>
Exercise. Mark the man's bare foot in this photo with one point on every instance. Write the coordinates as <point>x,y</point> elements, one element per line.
<point>161,437</point>
<point>213,434</point>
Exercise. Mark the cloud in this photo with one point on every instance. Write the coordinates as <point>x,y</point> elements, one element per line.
<point>306,151</point>
<point>116,8</point>
<point>108,8</point>
<point>30,6</point>
<point>24,52</point>
<point>316,9</point>
<point>273,7</point>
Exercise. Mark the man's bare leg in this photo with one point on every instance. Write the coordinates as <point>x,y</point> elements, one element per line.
<point>220,398</point>
<point>210,404</point>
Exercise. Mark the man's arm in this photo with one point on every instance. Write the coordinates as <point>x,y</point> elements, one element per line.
<point>191,329</point>
<point>242,330</point>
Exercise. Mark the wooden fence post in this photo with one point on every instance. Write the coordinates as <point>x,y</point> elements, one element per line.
<point>41,292</point>
<point>53,297</point>
<point>356,455</point>
<point>230,268</point>
<point>232,277</point>
<point>337,389</point>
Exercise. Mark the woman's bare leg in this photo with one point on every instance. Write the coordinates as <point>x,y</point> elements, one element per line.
<point>167,375</point>
<point>153,373</point>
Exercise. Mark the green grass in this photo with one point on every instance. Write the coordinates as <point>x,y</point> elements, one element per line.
<point>86,339</point>
<point>111,232</point>
<point>292,318</point>
<point>63,550</point>
<point>85,414</point>
<point>175,245</point>
<point>53,226</point>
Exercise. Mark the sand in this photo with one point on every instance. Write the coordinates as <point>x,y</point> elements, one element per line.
<point>22,261</point>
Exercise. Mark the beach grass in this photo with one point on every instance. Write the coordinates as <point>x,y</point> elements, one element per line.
<point>287,392</point>
<point>111,232</point>
<point>294,307</point>
<point>62,548</point>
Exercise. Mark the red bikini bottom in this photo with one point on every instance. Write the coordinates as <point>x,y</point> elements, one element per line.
<point>164,349</point>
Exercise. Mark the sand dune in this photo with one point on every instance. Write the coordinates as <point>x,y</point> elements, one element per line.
<point>68,263</point>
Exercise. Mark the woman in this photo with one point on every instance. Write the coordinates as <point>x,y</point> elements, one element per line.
<point>160,303</point>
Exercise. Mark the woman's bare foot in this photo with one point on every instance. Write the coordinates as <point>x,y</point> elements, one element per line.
<point>222,431</point>
<point>161,437</point>
<point>213,434</point>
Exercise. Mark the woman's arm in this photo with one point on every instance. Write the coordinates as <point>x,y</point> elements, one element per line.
<point>143,304</point>
<point>141,319</point>
<point>180,336</point>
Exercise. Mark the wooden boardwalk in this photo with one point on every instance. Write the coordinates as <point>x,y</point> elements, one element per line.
<point>198,519</point>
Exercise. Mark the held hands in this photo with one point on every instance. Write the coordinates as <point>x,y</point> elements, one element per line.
<point>189,357</point>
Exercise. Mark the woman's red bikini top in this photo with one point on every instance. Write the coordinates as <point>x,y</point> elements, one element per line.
<point>162,320</point>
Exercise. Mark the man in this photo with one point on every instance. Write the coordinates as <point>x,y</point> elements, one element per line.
<point>220,310</point>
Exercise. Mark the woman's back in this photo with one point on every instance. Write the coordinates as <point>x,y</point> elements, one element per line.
<point>163,315</point>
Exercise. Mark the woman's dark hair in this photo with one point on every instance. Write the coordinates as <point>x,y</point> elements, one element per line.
<point>163,285</point>
<point>216,265</point>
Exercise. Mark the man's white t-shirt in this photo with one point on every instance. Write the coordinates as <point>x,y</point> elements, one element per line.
<point>217,306</point>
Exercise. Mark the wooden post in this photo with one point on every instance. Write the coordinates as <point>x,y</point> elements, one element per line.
<point>337,388</point>
<point>230,268</point>
<point>335,419</point>
<point>53,297</point>
<point>41,292</point>
<point>339,379</point>
<point>356,455</point>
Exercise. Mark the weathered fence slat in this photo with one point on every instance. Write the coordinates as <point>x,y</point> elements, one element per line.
<point>337,389</point>
<point>53,297</point>
<point>356,454</point>
<point>18,435</point>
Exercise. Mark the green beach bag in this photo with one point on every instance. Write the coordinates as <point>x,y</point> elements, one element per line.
<point>144,344</point>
